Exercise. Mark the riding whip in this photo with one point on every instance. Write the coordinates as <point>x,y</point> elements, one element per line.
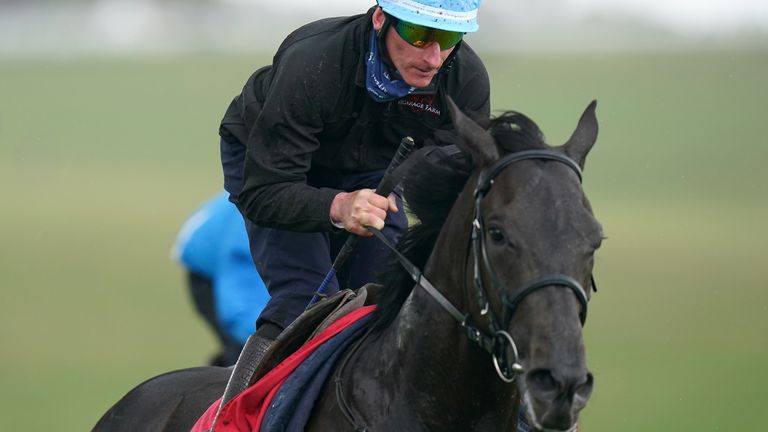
<point>385,187</point>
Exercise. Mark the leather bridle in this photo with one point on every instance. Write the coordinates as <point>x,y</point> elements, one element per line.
<point>509,368</point>
<point>498,342</point>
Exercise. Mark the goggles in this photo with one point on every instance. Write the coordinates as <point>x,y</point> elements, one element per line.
<point>421,36</point>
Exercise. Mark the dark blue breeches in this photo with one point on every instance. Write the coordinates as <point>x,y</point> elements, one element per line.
<point>293,264</point>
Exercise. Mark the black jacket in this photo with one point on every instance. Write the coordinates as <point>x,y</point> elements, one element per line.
<point>308,118</point>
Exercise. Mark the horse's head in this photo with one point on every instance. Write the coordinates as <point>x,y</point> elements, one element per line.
<point>534,241</point>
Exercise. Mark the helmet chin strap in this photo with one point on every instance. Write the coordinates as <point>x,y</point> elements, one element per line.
<point>382,43</point>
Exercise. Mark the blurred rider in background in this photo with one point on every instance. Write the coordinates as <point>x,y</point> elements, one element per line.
<point>226,289</point>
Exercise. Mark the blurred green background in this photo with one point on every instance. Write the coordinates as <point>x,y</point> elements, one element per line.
<point>101,160</point>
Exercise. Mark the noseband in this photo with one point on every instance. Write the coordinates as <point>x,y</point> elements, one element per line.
<point>499,342</point>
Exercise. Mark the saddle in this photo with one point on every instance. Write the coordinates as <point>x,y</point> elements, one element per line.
<point>251,387</point>
<point>311,322</point>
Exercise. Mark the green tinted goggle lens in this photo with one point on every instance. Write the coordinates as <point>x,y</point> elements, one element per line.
<point>420,36</point>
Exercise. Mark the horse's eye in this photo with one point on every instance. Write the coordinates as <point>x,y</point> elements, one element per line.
<point>496,235</point>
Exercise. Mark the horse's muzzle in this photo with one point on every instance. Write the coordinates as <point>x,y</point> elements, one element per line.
<point>554,399</point>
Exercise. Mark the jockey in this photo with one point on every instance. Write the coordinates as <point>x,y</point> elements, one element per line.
<point>228,293</point>
<point>307,140</point>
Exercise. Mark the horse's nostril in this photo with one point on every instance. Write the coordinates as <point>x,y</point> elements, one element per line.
<point>584,390</point>
<point>542,381</point>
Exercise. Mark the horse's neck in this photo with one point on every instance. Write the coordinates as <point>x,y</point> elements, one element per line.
<point>427,373</point>
<point>434,372</point>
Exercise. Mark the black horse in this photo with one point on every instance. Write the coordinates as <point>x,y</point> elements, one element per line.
<point>506,241</point>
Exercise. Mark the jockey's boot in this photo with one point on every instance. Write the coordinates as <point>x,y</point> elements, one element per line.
<point>250,357</point>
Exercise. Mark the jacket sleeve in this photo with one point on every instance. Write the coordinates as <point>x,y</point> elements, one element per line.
<point>281,143</point>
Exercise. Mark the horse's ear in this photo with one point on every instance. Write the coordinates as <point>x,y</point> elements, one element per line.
<point>584,136</point>
<point>472,138</point>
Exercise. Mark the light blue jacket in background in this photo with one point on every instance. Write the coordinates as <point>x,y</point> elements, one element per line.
<point>213,243</point>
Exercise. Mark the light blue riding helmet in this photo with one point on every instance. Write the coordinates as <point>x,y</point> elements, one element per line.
<point>451,15</point>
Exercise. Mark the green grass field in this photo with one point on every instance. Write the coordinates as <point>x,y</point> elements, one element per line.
<point>101,160</point>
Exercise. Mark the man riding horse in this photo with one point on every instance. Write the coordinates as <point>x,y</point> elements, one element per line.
<point>308,138</point>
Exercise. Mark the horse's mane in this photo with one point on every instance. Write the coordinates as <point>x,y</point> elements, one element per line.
<point>430,189</point>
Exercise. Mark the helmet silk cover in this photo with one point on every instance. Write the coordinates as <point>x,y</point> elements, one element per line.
<point>450,15</point>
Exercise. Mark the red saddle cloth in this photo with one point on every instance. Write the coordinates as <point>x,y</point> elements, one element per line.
<point>246,411</point>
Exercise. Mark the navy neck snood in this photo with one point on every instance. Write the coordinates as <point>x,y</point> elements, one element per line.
<point>381,87</point>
